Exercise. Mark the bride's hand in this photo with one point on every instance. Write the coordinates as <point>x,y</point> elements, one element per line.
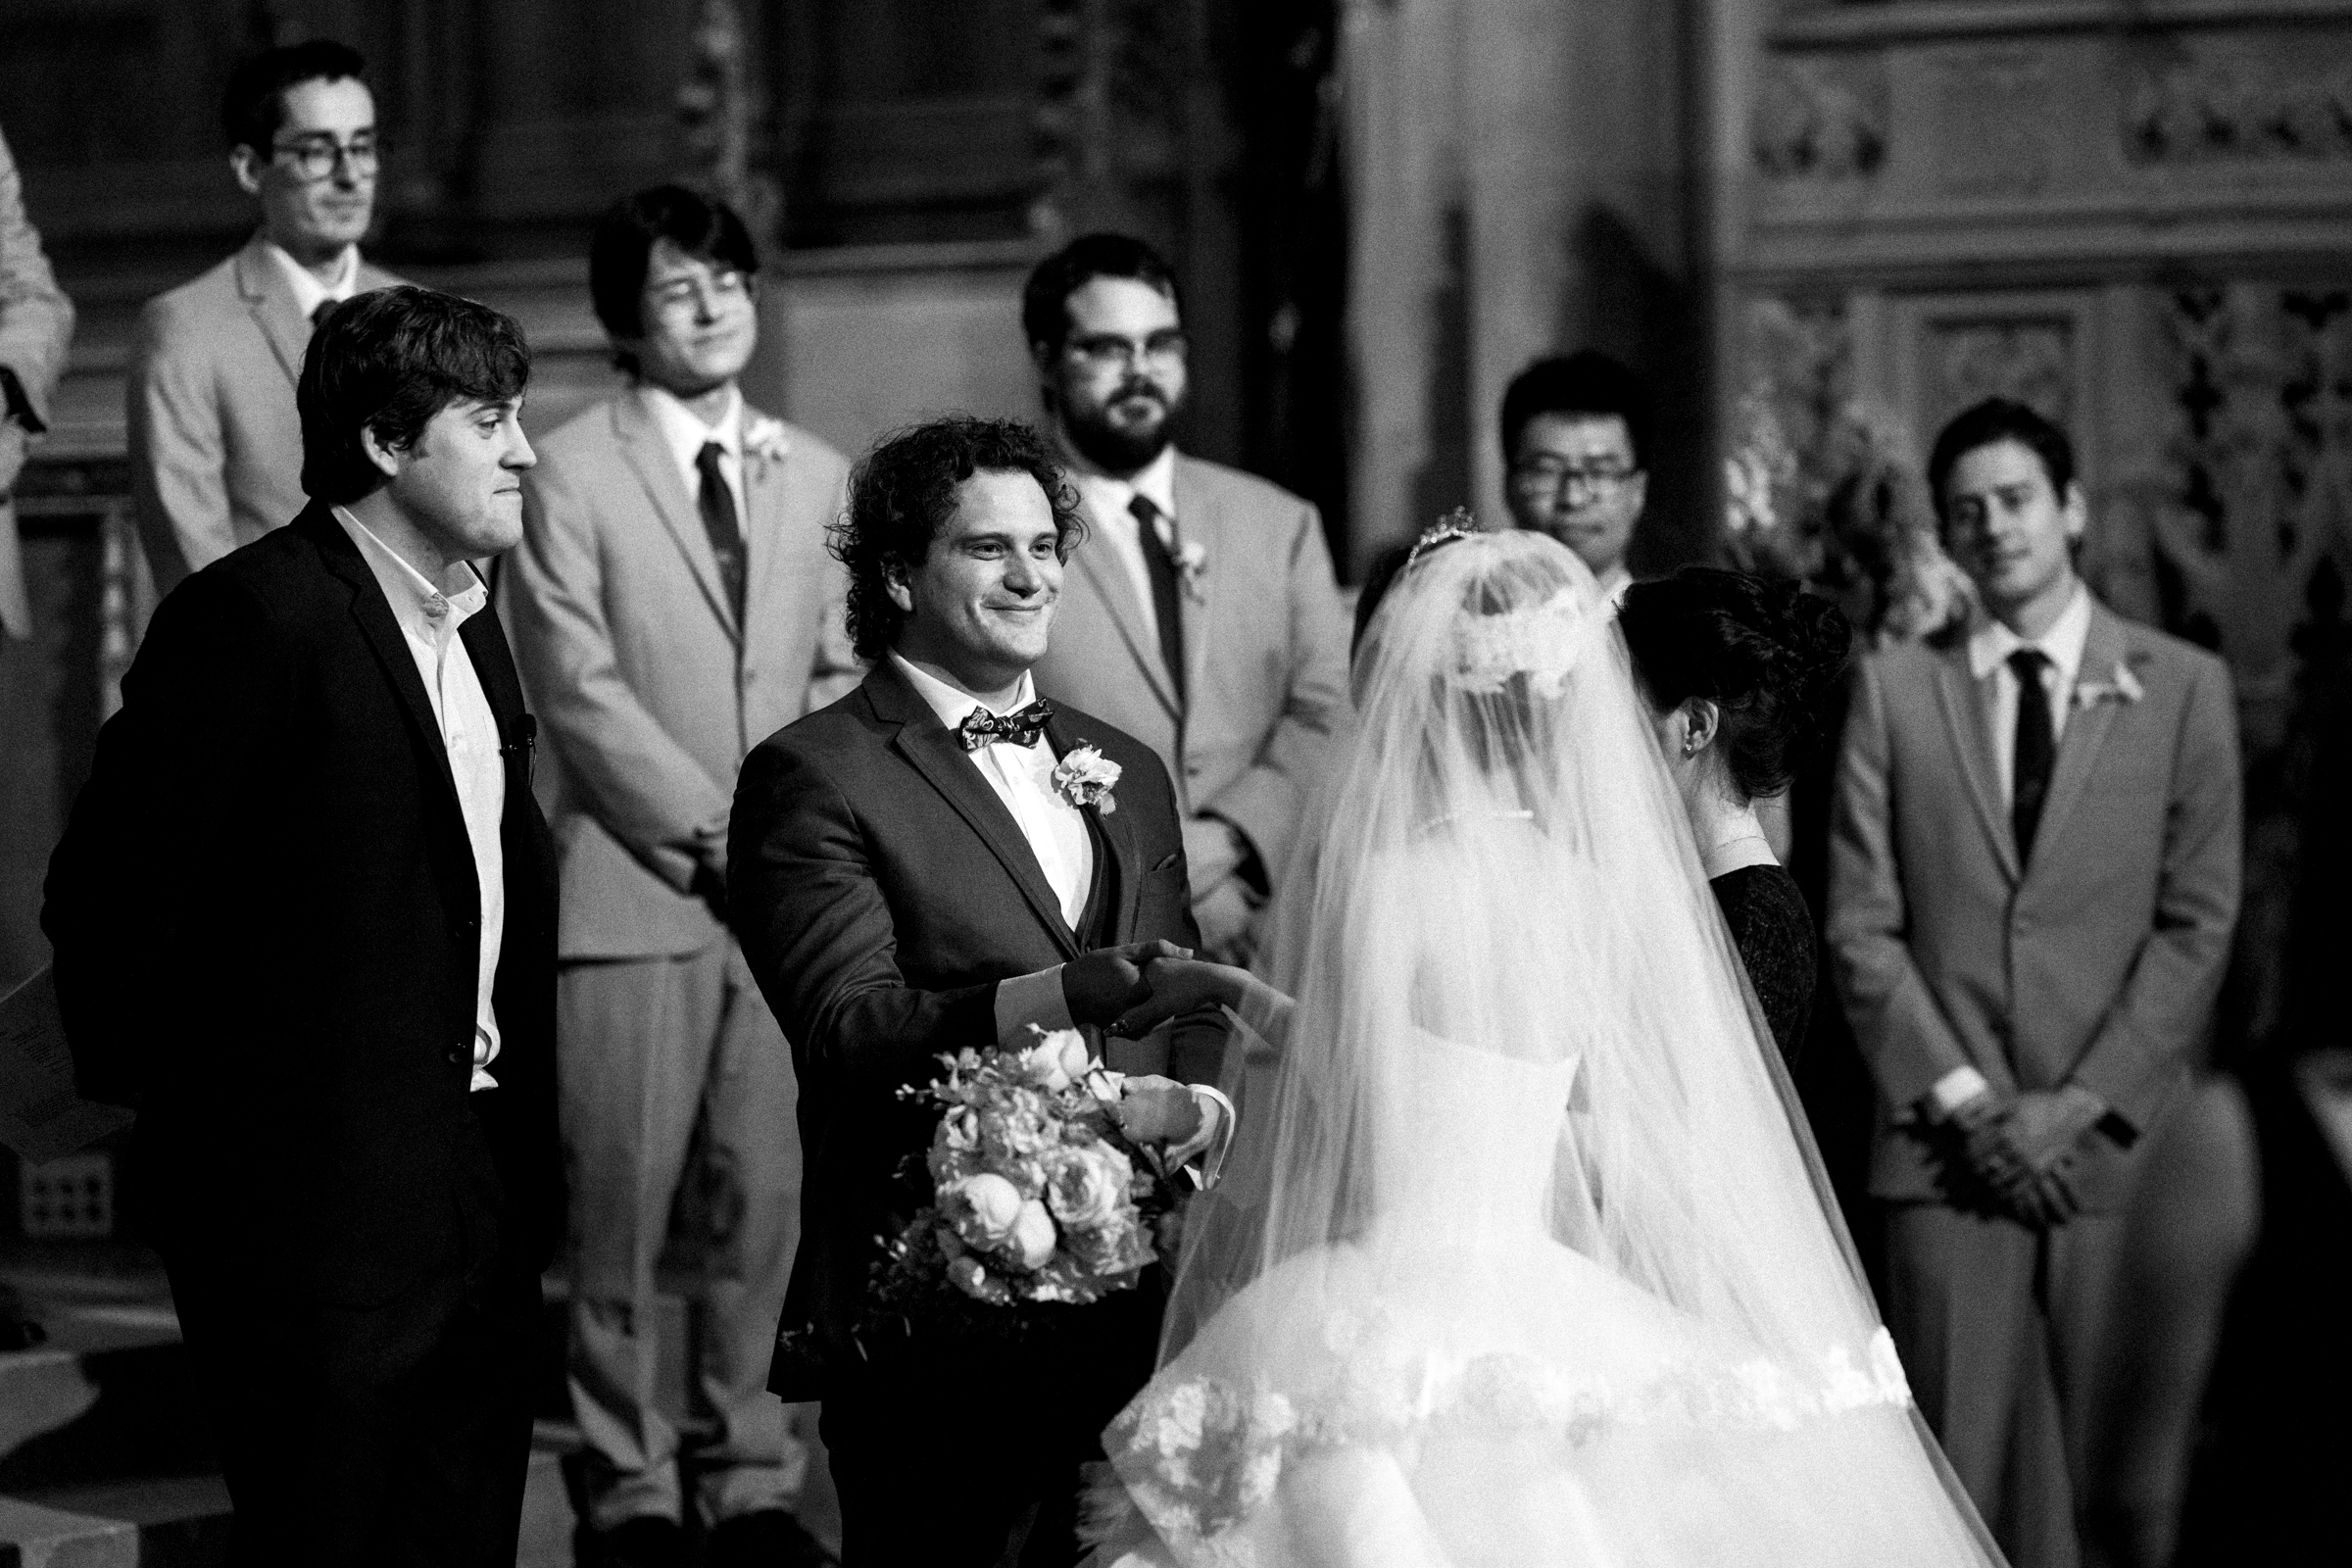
<point>1180,986</point>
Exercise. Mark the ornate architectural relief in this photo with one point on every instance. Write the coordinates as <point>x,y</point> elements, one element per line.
<point>1964,362</point>
<point>2240,104</point>
<point>1992,122</point>
<point>1822,118</point>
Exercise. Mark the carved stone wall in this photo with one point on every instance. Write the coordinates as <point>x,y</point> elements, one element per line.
<point>2133,216</point>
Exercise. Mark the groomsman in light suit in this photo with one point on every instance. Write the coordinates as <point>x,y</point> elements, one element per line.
<point>1201,616</point>
<point>216,452</point>
<point>2033,878</point>
<point>673,603</point>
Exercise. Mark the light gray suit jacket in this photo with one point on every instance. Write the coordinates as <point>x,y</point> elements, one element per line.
<point>2097,964</point>
<point>1266,639</point>
<point>216,448</point>
<point>648,691</point>
<point>36,323</point>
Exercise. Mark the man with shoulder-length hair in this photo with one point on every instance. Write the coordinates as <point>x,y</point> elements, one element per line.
<point>912,875</point>
<point>216,447</point>
<point>673,603</point>
<point>303,922</point>
<point>2033,876</point>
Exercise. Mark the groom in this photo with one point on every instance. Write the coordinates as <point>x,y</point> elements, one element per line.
<point>908,879</point>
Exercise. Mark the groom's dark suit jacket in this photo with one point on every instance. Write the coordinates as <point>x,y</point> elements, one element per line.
<point>881,890</point>
<point>267,932</point>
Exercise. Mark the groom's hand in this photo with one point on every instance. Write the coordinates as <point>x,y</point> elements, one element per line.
<point>1102,983</point>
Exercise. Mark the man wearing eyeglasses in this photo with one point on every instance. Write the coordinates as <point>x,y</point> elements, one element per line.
<point>1576,436</point>
<point>1200,614</point>
<point>674,604</point>
<point>215,451</point>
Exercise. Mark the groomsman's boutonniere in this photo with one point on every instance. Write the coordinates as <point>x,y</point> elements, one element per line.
<point>763,438</point>
<point>1084,777</point>
<point>2121,687</point>
<point>1192,559</point>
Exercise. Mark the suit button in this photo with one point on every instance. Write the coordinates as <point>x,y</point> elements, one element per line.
<point>458,1059</point>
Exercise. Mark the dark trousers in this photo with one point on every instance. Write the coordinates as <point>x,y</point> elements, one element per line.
<point>395,1434</point>
<point>970,1456</point>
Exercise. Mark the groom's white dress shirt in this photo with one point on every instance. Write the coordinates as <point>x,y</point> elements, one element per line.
<point>1022,778</point>
<point>429,617</point>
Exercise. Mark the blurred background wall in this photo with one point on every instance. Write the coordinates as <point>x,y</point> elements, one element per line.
<point>1799,220</point>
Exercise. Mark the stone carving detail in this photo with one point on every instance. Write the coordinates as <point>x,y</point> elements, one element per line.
<point>2238,106</point>
<point>1822,118</point>
<point>1993,119</point>
<point>2028,359</point>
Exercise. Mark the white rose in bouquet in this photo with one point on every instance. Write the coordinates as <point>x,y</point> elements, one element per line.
<point>1033,1235</point>
<point>1057,1061</point>
<point>982,1210</point>
<point>1085,1185</point>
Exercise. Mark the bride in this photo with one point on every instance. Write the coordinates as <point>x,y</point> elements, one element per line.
<point>1522,1257</point>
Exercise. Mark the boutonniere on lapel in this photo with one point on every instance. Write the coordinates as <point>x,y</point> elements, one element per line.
<point>1192,561</point>
<point>763,439</point>
<point>1084,777</point>
<point>2120,687</point>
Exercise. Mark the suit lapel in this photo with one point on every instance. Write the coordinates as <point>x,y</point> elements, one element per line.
<point>928,746</point>
<point>1115,832</point>
<point>342,560</point>
<point>269,295</point>
<point>1198,523</point>
<point>649,457</point>
<point>2103,649</point>
<point>1111,584</point>
<point>767,488</point>
<point>1960,696</point>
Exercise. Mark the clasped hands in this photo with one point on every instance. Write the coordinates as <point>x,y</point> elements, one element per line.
<point>2022,1148</point>
<point>1104,987</point>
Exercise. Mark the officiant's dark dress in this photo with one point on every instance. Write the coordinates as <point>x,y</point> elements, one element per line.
<point>881,890</point>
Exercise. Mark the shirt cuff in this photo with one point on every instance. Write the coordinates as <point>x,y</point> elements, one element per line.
<point>1956,1089</point>
<point>1028,1000</point>
<point>1213,1138</point>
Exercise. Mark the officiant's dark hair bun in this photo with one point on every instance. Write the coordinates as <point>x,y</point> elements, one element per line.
<point>1765,654</point>
<point>902,492</point>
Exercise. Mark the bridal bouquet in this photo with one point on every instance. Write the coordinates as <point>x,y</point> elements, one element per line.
<point>1037,1195</point>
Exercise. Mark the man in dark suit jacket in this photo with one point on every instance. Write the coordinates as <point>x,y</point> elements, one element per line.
<point>304,921</point>
<point>2033,877</point>
<point>908,880</point>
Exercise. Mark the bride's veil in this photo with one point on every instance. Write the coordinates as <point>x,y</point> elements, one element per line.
<point>1502,863</point>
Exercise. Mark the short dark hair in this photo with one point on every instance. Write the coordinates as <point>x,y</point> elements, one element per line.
<point>388,361</point>
<point>1587,382</point>
<point>1765,654</point>
<point>1045,298</point>
<point>702,226</point>
<point>255,104</point>
<point>902,492</point>
<point>1990,422</point>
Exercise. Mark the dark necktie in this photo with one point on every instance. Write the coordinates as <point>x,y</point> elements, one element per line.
<point>2036,751</point>
<point>1020,727</point>
<point>718,504</point>
<point>1159,564</point>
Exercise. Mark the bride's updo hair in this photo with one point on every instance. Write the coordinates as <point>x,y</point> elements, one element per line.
<point>1765,654</point>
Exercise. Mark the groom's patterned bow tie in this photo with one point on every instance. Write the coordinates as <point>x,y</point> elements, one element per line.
<point>980,727</point>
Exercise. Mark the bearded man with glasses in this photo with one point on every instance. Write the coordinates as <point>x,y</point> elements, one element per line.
<point>215,451</point>
<point>1201,616</point>
<point>1576,439</point>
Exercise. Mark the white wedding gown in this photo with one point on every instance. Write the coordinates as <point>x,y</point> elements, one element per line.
<point>1459,1387</point>
<point>1521,1255</point>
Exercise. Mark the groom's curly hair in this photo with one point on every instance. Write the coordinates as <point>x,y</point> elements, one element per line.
<point>903,493</point>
